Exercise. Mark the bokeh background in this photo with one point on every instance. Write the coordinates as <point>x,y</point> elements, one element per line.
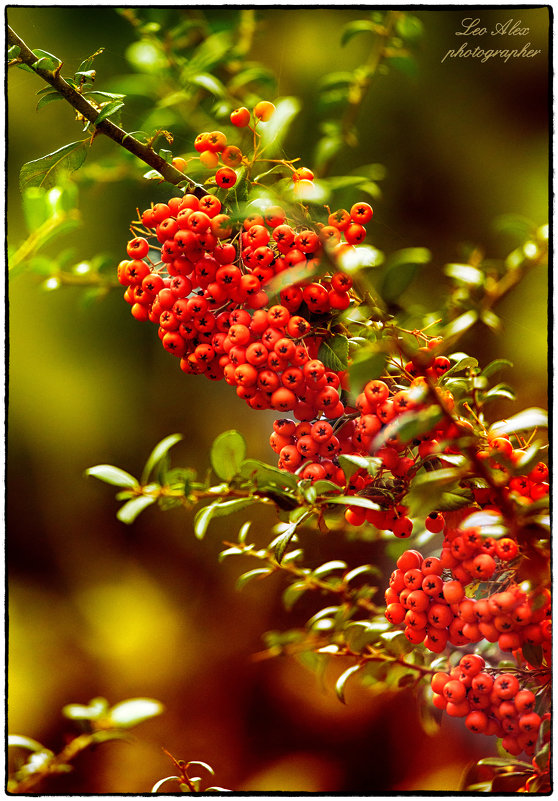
<point>100,609</point>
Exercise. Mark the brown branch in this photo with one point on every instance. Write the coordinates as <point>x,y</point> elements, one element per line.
<point>90,113</point>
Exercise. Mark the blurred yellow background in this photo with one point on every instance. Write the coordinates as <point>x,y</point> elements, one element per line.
<point>99,608</point>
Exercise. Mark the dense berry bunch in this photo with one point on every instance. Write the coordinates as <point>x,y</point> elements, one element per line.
<point>427,598</point>
<point>492,703</point>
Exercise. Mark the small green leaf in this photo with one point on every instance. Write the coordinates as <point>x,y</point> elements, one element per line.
<point>329,567</point>
<point>112,475</point>
<point>491,320</point>
<point>354,500</point>
<point>227,454</point>
<point>342,681</point>
<point>500,391</point>
<point>246,577</point>
<point>334,353</point>
<point>281,543</point>
<point>525,420</point>
<point>108,111</point>
<point>465,274</point>
<point>350,463</point>
<point>461,324</point>
<point>360,571</point>
<point>494,366</point>
<point>400,270</point>
<point>263,474</point>
<point>410,425</point>
<point>48,98</point>
<point>13,52</point>
<point>210,83</point>
<point>133,711</point>
<point>18,741</point>
<point>46,170</point>
<point>160,783</point>
<point>274,132</point>
<point>409,27</point>
<point>351,29</point>
<point>131,509</point>
<point>364,368</point>
<point>293,593</point>
<point>157,454</point>
<point>96,708</point>
<point>218,509</point>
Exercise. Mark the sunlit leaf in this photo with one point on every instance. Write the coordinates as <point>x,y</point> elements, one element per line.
<point>218,509</point>
<point>46,170</point>
<point>334,353</point>
<point>400,270</point>
<point>342,681</point>
<point>264,474</point>
<point>134,507</point>
<point>275,130</point>
<point>354,500</point>
<point>109,111</point>
<point>209,82</point>
<point>355,27</point>
<point>227,453</point>
<point>251,574</point>
<point>494,366</point>
<point>465,274</point>
<point>461,324</point>
<point>19,741</point>
<point>523,421</point>
<point>112,475</point>
<point>157,454</point>
<point>133,711</point>
<point>160,783</point>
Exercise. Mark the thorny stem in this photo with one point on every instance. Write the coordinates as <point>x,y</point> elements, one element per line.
<point>90,112</point>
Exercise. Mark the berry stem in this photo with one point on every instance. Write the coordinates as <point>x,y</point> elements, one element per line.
<point>82,105</point>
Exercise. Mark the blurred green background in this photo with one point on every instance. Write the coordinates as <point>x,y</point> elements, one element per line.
<point>98,608</point>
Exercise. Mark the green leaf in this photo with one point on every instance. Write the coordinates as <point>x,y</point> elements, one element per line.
<point>246,577</point>
<point>133,711</point>
<point>335,79</point>
<point>501,762</point>
<point>48,98</point>
<point>112,475</point>
<point>494,366</point>
<point>410,425</point>
<point>218,509</point>
<point>323,486</point>
<point>46,170</point>
<point>159,784</point>
<point>13,52</point>
<point>350,463</point>
<point>46,61</point>
<point>351,29</point>
<point>281,543</point>
<point>108,111</point>
<point>131,509</point>
<point>96,709</point>
<point>525,420</point>
<point>329,567</point>
<point>462,364</point>
<point>461,324</point>
<point>263,474</point>
<point>334,353</point>
<point>227,454</point>
<point>274,132</point>
<point>465,274</point>
<point>500,391</point>
<point>157,454</point>
<point>36,208</point>
<point>293,593</point>
<point>365,367</point>
<point>210,83</point>
<point>403,62</point>
<point>362,633</point>
<point>409,27</point>
<point>371,570</point>
<point>491,320</point>
<point>18,741</point>
<point>211,51</point>
<point>342,681</point>
<point>400,270</point>
<point>354,500</point>
<point>396,643</point>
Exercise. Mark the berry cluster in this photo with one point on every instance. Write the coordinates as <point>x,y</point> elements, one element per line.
<point>435,611</point>
<point>491,704</point>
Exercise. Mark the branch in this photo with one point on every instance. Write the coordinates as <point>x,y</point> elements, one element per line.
<point>90,113</point>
